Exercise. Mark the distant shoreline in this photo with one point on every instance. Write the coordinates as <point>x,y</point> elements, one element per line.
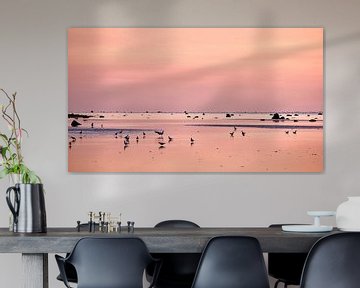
<point>195,112</point>
<point>259,126</point>
<point>127,129</point>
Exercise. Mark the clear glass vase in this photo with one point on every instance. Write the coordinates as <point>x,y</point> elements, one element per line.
<point>15,179</point>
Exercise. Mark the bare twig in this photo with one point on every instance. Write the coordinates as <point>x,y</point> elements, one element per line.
<point>14,122</point>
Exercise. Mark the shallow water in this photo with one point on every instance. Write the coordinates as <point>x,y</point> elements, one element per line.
<point>265,147</point>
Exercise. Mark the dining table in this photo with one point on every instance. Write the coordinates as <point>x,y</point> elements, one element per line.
<point>35,247</point>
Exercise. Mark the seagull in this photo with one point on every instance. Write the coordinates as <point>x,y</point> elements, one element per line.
<point>232,134</point>
<point>126,142</point>
<point>127,137</point>
<point>287,132</point>
<point>243,133</point>
<point>159,132</point>
<point>137,139</point>
<point>161,143</point>
<point>192,141</point>
<point>294,132</point>
<point>170,138</point>
<point>73,139</point>
<point>234,128</point>
<point>144,134</point>
<point>92,125</point>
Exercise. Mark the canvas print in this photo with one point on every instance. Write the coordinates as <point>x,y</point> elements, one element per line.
<point>195,100</point>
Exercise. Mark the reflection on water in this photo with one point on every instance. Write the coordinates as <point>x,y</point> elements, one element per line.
<point>196,142</point>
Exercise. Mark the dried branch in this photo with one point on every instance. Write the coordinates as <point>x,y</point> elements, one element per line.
<point>12,159</point>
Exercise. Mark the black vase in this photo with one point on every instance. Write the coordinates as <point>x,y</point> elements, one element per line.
<point>27,207</point>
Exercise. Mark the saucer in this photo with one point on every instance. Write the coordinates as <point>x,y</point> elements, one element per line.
<point>306,228</point>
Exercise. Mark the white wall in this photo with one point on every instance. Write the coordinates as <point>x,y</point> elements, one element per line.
<point>33,62</point>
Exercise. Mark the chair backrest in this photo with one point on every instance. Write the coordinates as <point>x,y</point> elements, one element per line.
<point>176,224</point>
<point>110,262</point>
<point>232,262</point>
<point>333,262</point>
<point>177,267</point>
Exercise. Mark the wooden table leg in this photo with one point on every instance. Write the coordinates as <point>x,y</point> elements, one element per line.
<point>35,270</point>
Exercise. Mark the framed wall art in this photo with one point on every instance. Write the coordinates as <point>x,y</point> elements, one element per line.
<point>195,100</point>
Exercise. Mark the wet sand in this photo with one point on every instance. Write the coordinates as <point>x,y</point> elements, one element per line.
<point>265,147</point>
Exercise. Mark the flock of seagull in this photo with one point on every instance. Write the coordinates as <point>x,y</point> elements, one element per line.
<point>243,133</point>
<point>119,133</point>
<point>161,140</point>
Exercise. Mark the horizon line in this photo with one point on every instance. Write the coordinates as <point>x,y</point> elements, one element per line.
<point>186,111</point>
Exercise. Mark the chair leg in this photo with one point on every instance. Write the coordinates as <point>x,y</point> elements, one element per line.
<point>278,282</point>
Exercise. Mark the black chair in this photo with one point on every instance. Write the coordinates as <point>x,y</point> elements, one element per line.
<point>178,269</point>
<point>286,267</point>
<point>333,262</point>
<point>176,224</point>
<point>69,269</point>
<point>232,262</point>
<point>108,263</point>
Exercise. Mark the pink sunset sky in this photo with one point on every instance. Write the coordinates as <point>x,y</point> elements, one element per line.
<point>195,69</point>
